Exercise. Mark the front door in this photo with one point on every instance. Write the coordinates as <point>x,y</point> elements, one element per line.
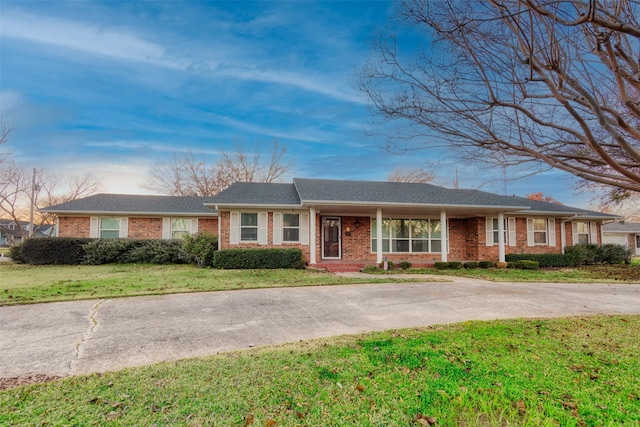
<point>331,242</point>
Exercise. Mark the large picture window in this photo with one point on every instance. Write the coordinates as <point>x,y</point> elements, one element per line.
<point>408,235</point>
<point>248,227</point>
<point>109,228</point>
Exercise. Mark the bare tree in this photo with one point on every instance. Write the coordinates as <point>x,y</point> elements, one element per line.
<point>549,81</point>
<point>51,188</point>
<point>189,175</point>
<point>418,175</point>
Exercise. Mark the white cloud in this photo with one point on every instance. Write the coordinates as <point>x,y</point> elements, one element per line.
<point>92,39</point>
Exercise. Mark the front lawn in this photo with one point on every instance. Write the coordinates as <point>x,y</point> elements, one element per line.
<point>588,273</point>
<point>21,284</point>
<point>560,372</point>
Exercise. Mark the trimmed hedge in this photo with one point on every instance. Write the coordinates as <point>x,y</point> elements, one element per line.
<point>441,265</point>
<point>471,265</point>
<point>405,265</point>
<point>15,253</point>
<point>131,251</point>
<point>485,264</point>
<point>545,260</point>
<point>524,264</point>
<point>53,250</point>
<point>455,265</point>
<point>608,253</point>
<point>258,258</point>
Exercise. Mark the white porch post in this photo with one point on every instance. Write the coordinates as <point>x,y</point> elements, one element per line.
<point>378,235</point>
<point>501,256</point>
<point>444,235</point>
<point>312,236</point>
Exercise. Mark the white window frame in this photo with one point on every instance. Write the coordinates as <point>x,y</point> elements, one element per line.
<point>297,227</point>
<point>235,227</point>
<point>592,232</point>
<point>247,227</point>
<point>169,231</point>
<point>549,231</point>
<point>411,239</point>
<point>509,231</point>
<point>96,229</point>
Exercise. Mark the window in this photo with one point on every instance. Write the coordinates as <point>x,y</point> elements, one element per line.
<point>290,227</point>
<point>248,227</point>
<point>408,235</point>
<point>493,233</point>
<point>109,228</point>
<point>582,233</point>
<point>180,227</point>
<point>540,231</point>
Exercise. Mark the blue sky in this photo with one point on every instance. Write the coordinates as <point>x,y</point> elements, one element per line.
<point>112,87</point>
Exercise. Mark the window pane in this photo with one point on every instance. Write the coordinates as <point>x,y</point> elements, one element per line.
<point>290,220</point>
<point>249,234</point>
<point>436,229</point>
<point>178,224</point>
<point>540,237</point>
<point>178,234</point>
<point>582,227</point>
<point>420,245</point>
<point>400,228</point>
<point>110,224</point>
<point>436,246</point>
<point>109,234</point>
<point>290,234</point>
<point>583,239</point>
<point>400,245</point>
<point>249,220</point>
<point>374,229</point>
<point>540,224</point>
<point>420,228</point>
<point>385,228</point>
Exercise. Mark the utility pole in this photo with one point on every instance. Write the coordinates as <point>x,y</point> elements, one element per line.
<point>33,201</point>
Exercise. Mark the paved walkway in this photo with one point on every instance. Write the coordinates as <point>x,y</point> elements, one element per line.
<point>78,337</point>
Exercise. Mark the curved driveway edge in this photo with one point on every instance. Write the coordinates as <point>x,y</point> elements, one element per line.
<point>78,337</point>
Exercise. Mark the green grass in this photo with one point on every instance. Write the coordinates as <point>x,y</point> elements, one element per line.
<point>589,274</point>
<point>20,284</point>
<point>560,372</point>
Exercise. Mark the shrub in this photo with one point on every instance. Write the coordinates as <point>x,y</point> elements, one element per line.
<point>545,260</point>
<point>200,248</point>
<point>405,265</point>
<point>255,258</point>
<point>370,269</point>
<point>455,265</point>
<point>485,264</point>
<point>441,265</point>
<point>53,250</point>
<point>15,253</point>
<point>524,264</point>
<point>390,265</point>
<point>501,264</point>
<point>593,254</point>
<point>129,251</point>
<point>471,264</point>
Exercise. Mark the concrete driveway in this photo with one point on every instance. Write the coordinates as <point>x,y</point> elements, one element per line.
<point>79,337</point>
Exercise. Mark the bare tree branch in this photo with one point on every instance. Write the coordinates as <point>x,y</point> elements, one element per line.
<point>417,175</point>
<point>553,81</point>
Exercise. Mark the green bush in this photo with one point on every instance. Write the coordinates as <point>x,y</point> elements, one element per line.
<point>455,265</point>
<point>371,269</point>
<point>441,265</point>
<point>405,265</point>
<point>132,251</point>
<point>471,264</point>
<point>590,254</point>
<point>524,264</point>
<point>545,260</point>
<point>258,258</point>
<point>200,248</point>
<point>53,250</point>
<point>15,253</point>
<point>485,264</point>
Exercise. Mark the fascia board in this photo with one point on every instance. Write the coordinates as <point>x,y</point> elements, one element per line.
<point>574,215</point>
<point>412,205</point>
<point>130,213</point>
<point>251,206</point>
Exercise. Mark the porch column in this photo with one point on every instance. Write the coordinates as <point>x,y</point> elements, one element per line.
<point>444,235</point>
<point>378,235</point>
<point>501,237</point>
<point>312,236</point>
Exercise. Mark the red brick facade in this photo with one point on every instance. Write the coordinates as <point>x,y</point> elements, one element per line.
<point>139,227</point>
<point>467,240</point>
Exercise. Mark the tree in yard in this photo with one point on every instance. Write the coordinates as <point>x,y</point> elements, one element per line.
<point>516,81</point>
<point>541,197</point>
<point>418,175</point>
<point>188,175</point>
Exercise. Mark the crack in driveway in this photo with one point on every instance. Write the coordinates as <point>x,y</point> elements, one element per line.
<point>87,335</point>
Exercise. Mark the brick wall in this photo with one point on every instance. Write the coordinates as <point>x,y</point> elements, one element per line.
<point>73,226</point>
<point>145,228</point>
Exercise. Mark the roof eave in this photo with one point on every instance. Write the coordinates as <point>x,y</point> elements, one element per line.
<point>413,205</point>
<point>130,213</point>
<point>252,205</point>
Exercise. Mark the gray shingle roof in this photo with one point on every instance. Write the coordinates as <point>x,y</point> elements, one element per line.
<point>621,227</point>
<point>258,193</point>
<point>134,204</point>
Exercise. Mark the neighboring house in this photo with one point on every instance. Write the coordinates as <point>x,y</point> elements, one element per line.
<point>621,233</point>
<point>10,231</point>
<point>133,216</point>
<point>344,224</point>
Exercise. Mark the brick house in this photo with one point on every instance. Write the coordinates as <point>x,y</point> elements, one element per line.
<point>345,224</point>
<point>133,216</point>
<point>342,224</point>
<point>621,233</point>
